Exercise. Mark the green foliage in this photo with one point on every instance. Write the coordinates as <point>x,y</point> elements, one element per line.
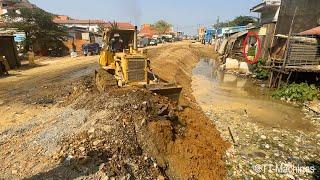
<point>252,51</point>
<point>244,20</point>
<point>297,92</point>
<point>162,27</point>
<point>41,32</point>
<point>259,71</point>
<point>113,26</point>
<point>238,21</point>
<point>262,74</point>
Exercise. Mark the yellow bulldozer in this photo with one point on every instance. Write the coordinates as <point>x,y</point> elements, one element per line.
<point>121,64</point>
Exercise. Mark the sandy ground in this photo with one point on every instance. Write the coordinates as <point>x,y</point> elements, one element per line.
<point>56,125</point>
<point>30,85</point>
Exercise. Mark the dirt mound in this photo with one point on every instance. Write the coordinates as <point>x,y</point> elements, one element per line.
<point>126,133</point>
<point>134,133</point>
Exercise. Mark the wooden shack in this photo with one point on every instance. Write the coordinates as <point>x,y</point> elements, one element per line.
<point>294,54</point>
<point>9,50</point>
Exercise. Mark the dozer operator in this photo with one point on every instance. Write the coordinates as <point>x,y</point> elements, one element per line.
<point>121,64</point>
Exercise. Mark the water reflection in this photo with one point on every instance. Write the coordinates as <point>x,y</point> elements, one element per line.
<point>216,90</point>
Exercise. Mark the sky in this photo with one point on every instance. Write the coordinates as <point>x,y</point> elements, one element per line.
<point>184,15</point>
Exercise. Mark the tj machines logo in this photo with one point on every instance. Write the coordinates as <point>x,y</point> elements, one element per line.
<point>283,168</point>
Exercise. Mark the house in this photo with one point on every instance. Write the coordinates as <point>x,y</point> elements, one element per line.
<point>147,31</point>
<point>201,34</point>
<point>91,25</point>
<point>7,5</point>
<point>227,31</point>
<point>13,5</point>
<point>269,12</point>
<point>277,15</point>
<point>306,13</point>
<point>289,44</point>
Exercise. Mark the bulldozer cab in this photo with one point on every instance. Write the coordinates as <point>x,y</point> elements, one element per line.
<point>119,40</point>
<point>115,41</point>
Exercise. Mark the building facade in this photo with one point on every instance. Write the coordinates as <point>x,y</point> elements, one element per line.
<point>7,5</point>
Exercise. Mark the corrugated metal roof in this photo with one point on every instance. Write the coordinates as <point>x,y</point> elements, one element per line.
<point>313,31</point>
<point>121,25</point>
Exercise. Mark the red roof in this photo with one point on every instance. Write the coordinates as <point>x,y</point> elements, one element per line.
<point>121,25</point>
<point>76,21</point>
<point>147,30</point>
<point>314,31</point>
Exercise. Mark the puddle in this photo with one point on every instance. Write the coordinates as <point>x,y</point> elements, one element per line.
<point>217,91</point>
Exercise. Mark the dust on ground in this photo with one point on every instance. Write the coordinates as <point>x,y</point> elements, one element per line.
<point>57,125</point>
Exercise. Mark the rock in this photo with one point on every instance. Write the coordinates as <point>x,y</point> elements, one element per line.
<point>290,176</point>
<point>95,143</point>
<point>244,68</point>
<point>144,122</point>
<point>281,145</point>
<point>161,177</point>
<point>180,108</point>
<point>146,106</point>
<point>14,172</point>
<point>135,107</point>
<point>102,166</point>
<point>82,149</point>
<point>267,146</point>
<point>164,110</point>
<point>106,178</point>
<point>276,138</point>
<point>259,154</point>
<point>1,102</point>
<point>91,130</point>
<point>263,137</point>
<point>232,64</point>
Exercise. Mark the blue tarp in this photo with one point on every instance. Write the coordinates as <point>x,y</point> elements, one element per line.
<point>19,37</point>
<point>230,30</point>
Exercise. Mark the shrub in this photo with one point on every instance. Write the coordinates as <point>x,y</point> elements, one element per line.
<point>297,92</point>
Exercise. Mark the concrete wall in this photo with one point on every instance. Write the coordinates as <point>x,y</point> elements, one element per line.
<point>307,17</point>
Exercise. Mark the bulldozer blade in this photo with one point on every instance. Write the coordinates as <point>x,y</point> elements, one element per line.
<point>104,80</point>
<point>171,91</point>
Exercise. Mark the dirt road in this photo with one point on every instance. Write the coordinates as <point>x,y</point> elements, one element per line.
<point>33,85</point>
<point>55,124</point>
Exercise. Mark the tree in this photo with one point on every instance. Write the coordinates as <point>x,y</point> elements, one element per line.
<point>162,27</point>
<point>41,32</point>
<point>244,20</point>
<point>238,21</point>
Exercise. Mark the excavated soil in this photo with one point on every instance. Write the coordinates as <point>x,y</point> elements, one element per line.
<point>174,63</point>
<point>66,129</point>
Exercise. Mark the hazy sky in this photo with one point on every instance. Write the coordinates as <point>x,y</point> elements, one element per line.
<point>185,15</point>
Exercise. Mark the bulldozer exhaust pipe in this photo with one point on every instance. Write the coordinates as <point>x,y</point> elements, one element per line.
<point>135,38</point>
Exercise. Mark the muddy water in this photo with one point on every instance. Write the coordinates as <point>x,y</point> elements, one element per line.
<point>217,91</point>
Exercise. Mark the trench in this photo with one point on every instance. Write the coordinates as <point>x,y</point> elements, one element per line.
<point>217,91</point>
